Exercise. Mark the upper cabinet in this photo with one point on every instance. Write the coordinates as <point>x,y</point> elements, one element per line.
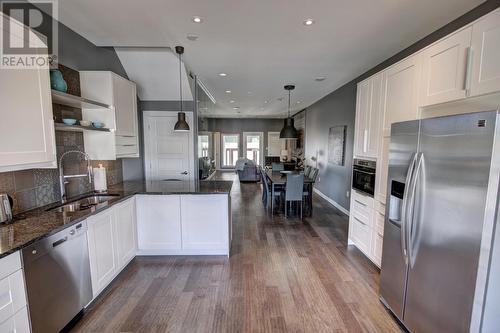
<point>27,126</point>
<point>486,55</point>
<point>120,93</point>
<point>445,69</point>
<point>400,92</point>
<point>368,117</point>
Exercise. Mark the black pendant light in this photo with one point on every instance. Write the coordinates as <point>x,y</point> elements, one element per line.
<point>181,125</point>
<point>289,131</point>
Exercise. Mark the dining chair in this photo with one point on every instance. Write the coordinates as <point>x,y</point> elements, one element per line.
<point>267,193</point>
<point>293,190</point>
<point>307,170</point>
<point>278,167</point>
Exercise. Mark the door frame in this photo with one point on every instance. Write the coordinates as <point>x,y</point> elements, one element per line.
<point>222,165</point>
<point>261,145</point>
<point>283,143</point>
<point>146,131</point>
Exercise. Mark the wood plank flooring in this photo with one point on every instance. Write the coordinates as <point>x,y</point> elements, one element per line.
<point>282,276</point>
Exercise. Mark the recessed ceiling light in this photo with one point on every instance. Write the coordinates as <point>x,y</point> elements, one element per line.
<point>320,78</point>
<point>298,102</point>
<point>231,101</point>
<point>197,19</point>
<point>265,102</point>
<point>228,91</point>
<point>308,22</point>
<point>236,108</point>
<point>192,37</point>
<point>222,74</point>
<point>249,92</point>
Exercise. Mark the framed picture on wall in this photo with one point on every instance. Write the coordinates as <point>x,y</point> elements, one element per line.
<point>336,145</point>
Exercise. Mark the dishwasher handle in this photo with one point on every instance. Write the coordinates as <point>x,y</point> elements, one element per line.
<point>60,241</point>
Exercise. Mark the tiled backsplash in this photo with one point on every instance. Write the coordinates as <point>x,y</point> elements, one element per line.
<point>39,187</point>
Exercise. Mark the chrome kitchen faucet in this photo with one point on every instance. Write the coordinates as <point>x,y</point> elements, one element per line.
<point>62,177</point>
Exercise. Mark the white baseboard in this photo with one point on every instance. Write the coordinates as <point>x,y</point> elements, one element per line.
<point>332,202</point>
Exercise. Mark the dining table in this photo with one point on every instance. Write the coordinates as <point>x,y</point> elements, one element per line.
<point>278,179</point>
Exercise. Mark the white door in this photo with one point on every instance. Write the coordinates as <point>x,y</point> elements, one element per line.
<point>252,146</point>
<point>444,67</point>
<point>27,129</point>
<point>124,92</point>
<point>400,99</point>
<point>362,111</point>
<point>274,144</point>
<point>125,231</point>
<point>158,223</point>
<point>168,154</point>
<point>102,249</point>
<point>486,55</point>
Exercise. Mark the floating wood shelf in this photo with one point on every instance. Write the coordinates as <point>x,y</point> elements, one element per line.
<point>78,128</point>
<point>77,101</point>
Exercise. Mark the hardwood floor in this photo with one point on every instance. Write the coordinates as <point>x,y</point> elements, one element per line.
<point>282,276</point>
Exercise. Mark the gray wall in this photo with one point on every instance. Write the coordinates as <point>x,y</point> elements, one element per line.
<point>240,125</point>
<point>339,108</point>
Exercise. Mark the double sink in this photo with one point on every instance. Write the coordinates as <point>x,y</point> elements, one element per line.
<point>85,203</point>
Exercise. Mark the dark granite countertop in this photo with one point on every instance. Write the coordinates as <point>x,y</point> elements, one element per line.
<point>39,223</point>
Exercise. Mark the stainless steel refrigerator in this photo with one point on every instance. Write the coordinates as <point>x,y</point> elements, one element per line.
<point>440,217</point>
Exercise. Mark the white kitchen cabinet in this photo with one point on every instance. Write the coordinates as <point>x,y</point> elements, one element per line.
<point>158,224</point>
<point>485,55</point>
<point>382,171</point>
<point>445,69</point>
<point>368,117</point>
<point>126,239</point>
<point>13,301</point>
<point>362,111</point>
<point>26,126</point>
<point>205,227</point>
<point>120,93</point>
<point>103,253</point>
<point>400,92</point>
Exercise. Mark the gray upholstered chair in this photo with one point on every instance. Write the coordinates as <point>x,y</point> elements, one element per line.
<point>266,190</point>
<point>278,167</point>
<point>293,190</point>
<point>307,170</point>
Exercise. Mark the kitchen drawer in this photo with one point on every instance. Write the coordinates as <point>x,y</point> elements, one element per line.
<point>10,264</point>
<point>379,223</point>
<point>12,295</point>
<point>362,199</point>
<point>18,323</point>
<point>122,140</point>
<point>360,234</point>
<point>129,150</point>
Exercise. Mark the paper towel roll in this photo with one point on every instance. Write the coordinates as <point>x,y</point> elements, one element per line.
<point>100,179</point>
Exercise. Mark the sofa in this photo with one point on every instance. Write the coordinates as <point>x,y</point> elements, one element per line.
<point>247,170</point>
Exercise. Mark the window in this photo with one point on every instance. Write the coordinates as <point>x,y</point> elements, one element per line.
<point>203,145</point>
<point>253,146</point>
<point>230,148</point>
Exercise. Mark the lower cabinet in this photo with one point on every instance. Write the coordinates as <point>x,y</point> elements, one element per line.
<point>183,224</point>
<point>112,243</point>
<point>204,223</point>
<point>366,226</point>
<point>158,224</point>
<point>13,303</point>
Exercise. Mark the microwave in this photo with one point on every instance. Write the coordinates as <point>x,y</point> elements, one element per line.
<point>363,176</point>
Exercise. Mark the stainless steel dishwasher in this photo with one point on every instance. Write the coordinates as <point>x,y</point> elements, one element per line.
<point>57,273</point>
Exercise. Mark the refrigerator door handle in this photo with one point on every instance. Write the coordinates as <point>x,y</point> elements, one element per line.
<point>410,209</point>
<point>404,208</point>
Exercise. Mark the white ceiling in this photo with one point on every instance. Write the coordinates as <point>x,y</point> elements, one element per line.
<point>156,73</point>
<point>263,44</point>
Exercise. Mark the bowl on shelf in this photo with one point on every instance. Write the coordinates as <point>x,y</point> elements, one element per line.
<point>98,124</point>
<point>69,121</point>
<point>85,123</point>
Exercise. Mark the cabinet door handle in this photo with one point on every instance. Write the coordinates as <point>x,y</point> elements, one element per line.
<point>361,203</point>
<point>468,70</point>
<point>363,223</point>
<point>128,145</point>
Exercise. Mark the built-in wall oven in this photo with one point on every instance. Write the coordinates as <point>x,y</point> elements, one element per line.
<point>363,176</point>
